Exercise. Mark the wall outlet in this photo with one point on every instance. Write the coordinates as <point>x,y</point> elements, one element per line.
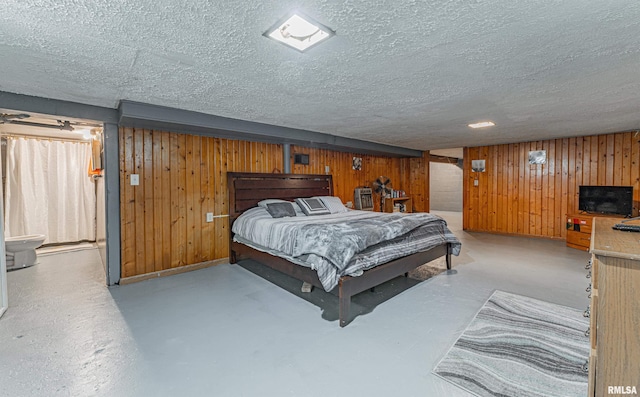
<point>209,216</point>
<point>475,182</point>
<point>327,169</point>
<point>135,179</point>
<point>349,204</point>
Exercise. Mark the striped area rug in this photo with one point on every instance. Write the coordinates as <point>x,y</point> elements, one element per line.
<point>519,346</point>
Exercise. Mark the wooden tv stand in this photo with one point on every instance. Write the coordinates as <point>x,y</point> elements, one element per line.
<point>579,226</point>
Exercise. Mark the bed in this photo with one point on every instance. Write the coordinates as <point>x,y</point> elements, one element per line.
<point>246,190</point>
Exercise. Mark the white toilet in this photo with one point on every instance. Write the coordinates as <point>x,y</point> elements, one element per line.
<point>21,250</point>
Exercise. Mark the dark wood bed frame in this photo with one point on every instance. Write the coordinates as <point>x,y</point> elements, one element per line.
<point>247,189</point>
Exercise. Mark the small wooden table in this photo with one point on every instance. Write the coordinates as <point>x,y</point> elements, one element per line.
<point>389,203</point>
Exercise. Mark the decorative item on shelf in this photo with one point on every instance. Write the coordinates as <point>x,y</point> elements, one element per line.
<point>382,186</point>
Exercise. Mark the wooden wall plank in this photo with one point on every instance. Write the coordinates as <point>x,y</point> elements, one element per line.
<point>610,170</point>
<point>586,160</point>
<point>565,176</point>
<point>544,196</point>
<point>175,206</point>
<point>128,210</point>
<point>166,200</point>
<point>146,185</point>
<point>593,159</point>
<point>635,169</point>
<point>572,194</point>
<point>602,160</point>
<point>181,224</point>
<point>559,177</point>
<point>189,195</point>
<point>157,199</point>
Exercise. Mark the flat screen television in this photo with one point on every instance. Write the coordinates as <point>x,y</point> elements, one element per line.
<point>617,200</point>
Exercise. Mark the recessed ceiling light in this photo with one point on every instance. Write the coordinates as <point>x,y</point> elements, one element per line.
<point>299,31</point>
<point>482,124</point>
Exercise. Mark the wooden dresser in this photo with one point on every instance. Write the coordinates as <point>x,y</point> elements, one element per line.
<point>615,308</point>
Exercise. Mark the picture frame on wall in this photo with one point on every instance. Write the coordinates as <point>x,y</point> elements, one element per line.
<point>357,163</point>
<point>537,157</point>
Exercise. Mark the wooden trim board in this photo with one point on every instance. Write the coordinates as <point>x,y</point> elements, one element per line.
<point>171,272</point>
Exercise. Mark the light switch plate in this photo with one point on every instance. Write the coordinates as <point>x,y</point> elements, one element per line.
<point>135,179</point>
<point>475,182</point>
<point>327,169</point>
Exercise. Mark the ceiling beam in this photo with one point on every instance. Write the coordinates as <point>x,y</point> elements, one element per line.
<point>56,107</point>
<point>434,158</point>
<point>141,115</point>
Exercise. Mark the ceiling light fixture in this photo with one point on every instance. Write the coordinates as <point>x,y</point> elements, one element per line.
<point>299,31</point>
<point>482,124</point>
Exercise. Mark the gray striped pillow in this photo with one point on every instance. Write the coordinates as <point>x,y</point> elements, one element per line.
<point>333,204</point>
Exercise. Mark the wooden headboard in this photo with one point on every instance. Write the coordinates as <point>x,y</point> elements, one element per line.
<point>247,189</point>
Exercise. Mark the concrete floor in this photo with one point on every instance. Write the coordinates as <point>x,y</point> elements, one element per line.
<point>225,331</point>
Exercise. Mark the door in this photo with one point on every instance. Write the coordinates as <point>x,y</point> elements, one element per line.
<point>3,258</point>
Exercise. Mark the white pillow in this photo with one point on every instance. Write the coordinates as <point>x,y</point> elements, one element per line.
<point>312,206</point>
<point>296,207</point>
<point>333,204</point>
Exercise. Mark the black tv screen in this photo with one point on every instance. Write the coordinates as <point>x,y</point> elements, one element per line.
<point>616,200</point>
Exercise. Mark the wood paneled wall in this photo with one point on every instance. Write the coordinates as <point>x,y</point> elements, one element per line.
<point>516,197</point>
<point>408,174</point>
<point>182,177</point>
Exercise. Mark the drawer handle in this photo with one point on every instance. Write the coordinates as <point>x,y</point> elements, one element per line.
<point>587,332</point>
<point>589,274</point>
<point>585,366</point>
<point>587,313</point>
<point>588,266</point>
<point>589,296</point>
<point>588,288</point>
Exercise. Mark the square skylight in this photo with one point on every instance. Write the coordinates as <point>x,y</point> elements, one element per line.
<point>299,31</point>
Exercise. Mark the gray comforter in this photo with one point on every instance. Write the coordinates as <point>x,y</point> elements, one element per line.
<point>340,244</point>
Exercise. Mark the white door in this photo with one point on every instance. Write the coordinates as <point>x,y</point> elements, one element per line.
<point>3,258</point>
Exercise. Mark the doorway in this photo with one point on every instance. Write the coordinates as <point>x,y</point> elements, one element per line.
<point>53,183</point>
<point>445,180</point>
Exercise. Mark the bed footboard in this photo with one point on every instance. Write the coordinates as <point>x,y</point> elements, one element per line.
<point>349,286</point>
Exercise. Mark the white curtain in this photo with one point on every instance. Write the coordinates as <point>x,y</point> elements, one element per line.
<point>49,190</point>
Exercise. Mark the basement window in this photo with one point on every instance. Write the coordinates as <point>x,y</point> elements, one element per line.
<point>299,31</point>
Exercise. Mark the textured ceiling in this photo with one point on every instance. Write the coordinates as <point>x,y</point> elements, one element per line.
<point>406,73</point>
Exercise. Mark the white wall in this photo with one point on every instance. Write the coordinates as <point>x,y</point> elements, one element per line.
<point>101,226</point>
<point>445,187</point>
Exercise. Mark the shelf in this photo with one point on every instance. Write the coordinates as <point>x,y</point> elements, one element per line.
<point>406,201</point>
